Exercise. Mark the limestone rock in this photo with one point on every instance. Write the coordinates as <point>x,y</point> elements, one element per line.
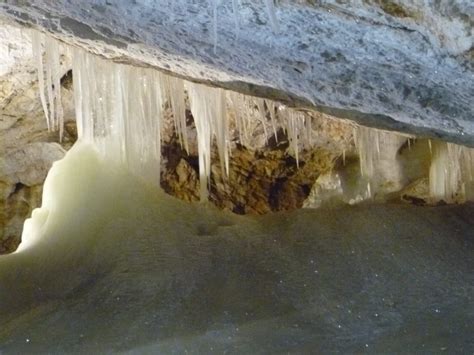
<point>16,207</point>
<point>401,64</point>
<point>260,181</point>
<point>29,165</point>
<point>27,149</point>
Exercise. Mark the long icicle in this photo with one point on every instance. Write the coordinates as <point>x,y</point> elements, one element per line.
<point>38,42</point>
<point>119,109</point>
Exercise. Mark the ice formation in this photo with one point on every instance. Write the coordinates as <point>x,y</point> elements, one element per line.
<point>378,159</point>
<point>452,173</point>
<point>168,277</point>
<point>208,108</point>
<point>49,75</point>
<point>120,110</point>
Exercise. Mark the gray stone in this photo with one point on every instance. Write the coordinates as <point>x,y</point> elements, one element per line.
<point>29,164</point>
<point>403,65</point>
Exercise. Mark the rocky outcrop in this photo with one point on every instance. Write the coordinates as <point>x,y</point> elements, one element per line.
<point>27,149</point>
<point>259,181</point>
<point>397,64</point>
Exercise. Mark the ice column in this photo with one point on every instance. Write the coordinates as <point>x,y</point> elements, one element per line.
<point>379,164</point>
<point>452,172</point>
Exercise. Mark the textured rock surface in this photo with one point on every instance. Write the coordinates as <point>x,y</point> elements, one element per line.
<point>29,164</point>
<point>259,181</point>
<point>27,149</point>
<point>403,64</point>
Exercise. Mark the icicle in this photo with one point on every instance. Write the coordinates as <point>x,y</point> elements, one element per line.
<point>203,129</point>
<point>377,143</point>
<point>49,86</point>
<point>308,129</point>
<point>262,116</point>
<point>378,157</point>
<point>244,116</point>
<point>119,110</point>
<point>53,51</point>
<point>272,15</point>
<point>451,172</point>
<point>49,80</point>
<point>175,92</point>
<point>271,108</point>
<point>38,40</point>
<point>386,144</point>
<point>443,180</point>
<point>293,133</point>
<point>208,108</point>
<point>235,104</point>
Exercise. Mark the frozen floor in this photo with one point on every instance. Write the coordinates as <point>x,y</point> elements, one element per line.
<point>111,265</point>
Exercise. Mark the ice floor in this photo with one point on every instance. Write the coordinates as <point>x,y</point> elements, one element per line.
<point>112,265</point>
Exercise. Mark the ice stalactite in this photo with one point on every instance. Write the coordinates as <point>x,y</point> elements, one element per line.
<point>236,102</point>
<point>258,120</point>
<point>208,107</point>
<point>120,110</point>
<point>175,92</point>
<point>452,172</point>
<point>46,53</point>
<point>249,119</point>
<point>298,129</point>
<point>273,119</point>
<point>379,164</point>
<point>37,40</point>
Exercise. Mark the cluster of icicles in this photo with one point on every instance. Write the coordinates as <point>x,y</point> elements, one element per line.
<point>451,174</point>
<point>120,109</point>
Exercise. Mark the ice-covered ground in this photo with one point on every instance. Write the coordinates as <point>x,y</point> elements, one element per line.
<point>109,264</point>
